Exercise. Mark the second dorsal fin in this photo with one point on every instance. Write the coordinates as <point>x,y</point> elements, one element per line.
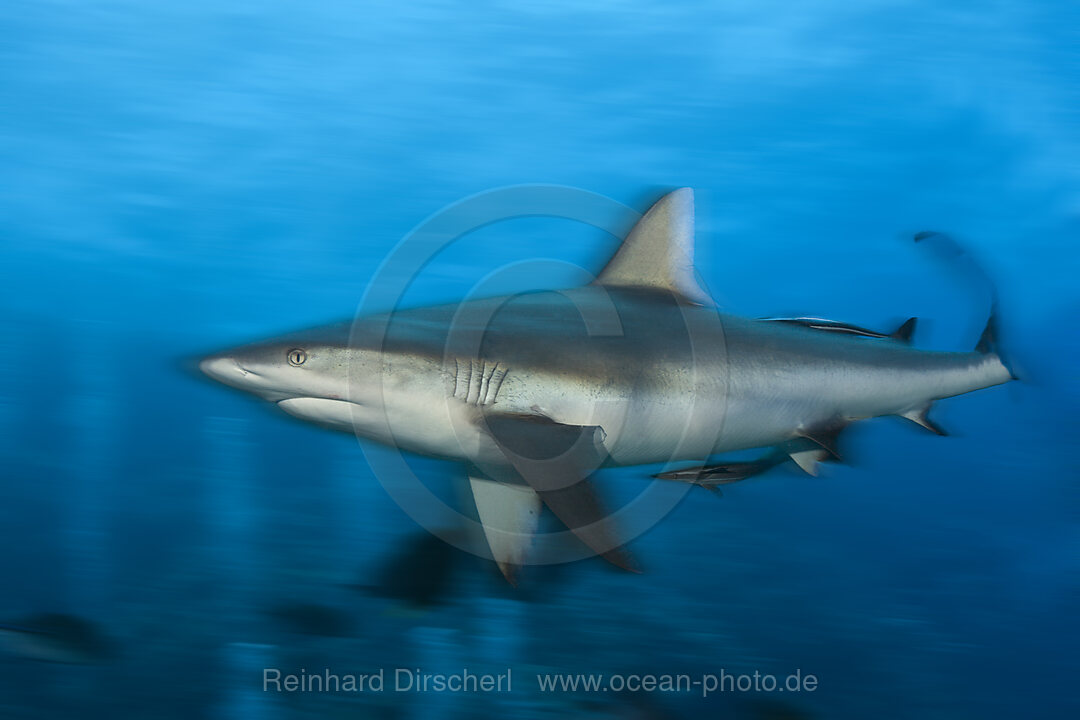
<point>658,254</point>
<point>905,332</point>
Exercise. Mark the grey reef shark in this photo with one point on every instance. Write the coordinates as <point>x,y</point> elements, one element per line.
<point>533,392</point>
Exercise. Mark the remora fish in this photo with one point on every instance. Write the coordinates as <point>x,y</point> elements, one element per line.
<point>55,637</point>
<point>533,392</point>
<point>312,619</point>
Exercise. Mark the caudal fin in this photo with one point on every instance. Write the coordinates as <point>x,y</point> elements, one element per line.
<point>989,343</point>
<point>958,256</point>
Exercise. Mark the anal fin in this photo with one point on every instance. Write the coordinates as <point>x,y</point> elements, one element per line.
<point>921,417</point>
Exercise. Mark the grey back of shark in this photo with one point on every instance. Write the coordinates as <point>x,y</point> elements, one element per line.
<point>534,392</point>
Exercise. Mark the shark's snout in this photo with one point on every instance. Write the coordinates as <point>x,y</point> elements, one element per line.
<point>266,382</point>
<point>223,368</point>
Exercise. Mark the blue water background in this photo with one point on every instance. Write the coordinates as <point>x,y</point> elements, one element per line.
<point>180,177</point>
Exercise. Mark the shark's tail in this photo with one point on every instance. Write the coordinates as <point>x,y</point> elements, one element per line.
<point>989,343</point>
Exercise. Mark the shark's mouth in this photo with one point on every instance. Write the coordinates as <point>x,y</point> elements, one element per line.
<point>327,411</point>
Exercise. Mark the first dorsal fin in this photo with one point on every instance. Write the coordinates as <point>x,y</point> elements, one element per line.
<point>658,254</point>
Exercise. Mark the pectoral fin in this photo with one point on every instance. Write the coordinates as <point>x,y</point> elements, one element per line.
<point>809,459</point>
<point>555,460</point>
<point>825,437</point>
<point>509,514</point>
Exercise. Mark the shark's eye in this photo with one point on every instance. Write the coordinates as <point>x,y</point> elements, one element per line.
<point>297,357</point>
